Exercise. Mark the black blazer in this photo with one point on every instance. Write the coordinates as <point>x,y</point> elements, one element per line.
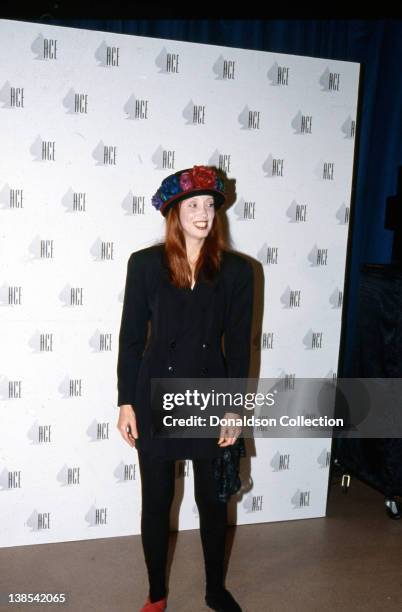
<point>226,305</point>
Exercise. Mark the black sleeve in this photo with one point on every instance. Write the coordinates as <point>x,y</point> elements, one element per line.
<point>237,334</point>
<point>133,331</point>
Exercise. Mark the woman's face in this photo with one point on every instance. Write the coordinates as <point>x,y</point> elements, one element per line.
<point>196,215</point>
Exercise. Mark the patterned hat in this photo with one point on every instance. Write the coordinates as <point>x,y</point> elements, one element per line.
<point>199,180</point>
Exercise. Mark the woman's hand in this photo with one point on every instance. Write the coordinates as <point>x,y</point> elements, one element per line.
<point>127,424</point>
<point>229,433</point>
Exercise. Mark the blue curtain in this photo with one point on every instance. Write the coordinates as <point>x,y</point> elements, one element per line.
<point>377,45</point>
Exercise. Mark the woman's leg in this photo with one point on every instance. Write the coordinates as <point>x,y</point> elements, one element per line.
<point>157,486</point>
<point>213,522</point>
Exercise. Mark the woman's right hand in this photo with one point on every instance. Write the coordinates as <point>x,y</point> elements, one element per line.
<point>127,424</point>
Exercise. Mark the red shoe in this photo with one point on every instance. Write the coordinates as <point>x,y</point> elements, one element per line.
<point>155,606</point>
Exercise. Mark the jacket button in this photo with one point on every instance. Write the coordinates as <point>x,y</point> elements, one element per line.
<point>204,371</point>
<point>170,368</point>
<point>173,344</point>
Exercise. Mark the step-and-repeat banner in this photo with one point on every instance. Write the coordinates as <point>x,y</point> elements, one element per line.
<point>90,124</point>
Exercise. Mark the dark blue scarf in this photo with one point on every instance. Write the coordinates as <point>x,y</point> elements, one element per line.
<point>226,469</point>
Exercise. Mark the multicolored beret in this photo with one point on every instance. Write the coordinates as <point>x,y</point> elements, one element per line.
<point>199,180</point>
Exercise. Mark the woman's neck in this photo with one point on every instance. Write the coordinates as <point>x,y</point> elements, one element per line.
<point>193,249</point>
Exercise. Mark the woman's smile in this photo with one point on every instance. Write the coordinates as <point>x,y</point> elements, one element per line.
<point>201,224</point>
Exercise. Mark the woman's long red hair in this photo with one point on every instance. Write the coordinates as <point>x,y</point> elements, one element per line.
<point>175,254</point>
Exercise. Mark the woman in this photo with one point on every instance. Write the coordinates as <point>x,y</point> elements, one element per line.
<point>193,291</point>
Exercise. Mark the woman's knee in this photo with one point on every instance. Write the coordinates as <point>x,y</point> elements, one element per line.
<point>157,501</point>
<point>157,484</point>
<point>205,486</point>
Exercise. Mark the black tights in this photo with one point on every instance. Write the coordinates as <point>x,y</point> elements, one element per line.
<point>157,486</point>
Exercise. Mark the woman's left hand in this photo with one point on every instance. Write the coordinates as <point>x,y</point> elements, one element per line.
<point>229,433</point>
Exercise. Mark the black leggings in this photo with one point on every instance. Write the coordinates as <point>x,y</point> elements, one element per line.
<point>157,486</point>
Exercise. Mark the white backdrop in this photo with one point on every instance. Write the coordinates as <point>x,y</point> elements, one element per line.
<point>90,124</point>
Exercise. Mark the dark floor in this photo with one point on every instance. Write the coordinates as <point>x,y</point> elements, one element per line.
<point>350,560</point>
